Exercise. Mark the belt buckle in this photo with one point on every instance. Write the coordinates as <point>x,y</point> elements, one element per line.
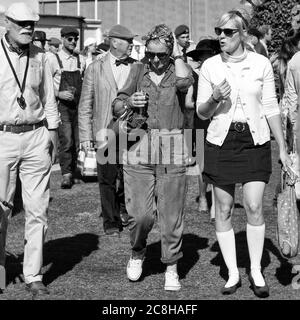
<point>239,126</point>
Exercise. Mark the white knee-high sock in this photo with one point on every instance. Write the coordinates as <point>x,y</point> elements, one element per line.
<point>255,240</point>
<point>227,245</point>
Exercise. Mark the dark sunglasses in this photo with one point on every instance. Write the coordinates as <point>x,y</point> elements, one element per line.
<point>227,31</point>
<point>159,55</point>
<point>70,39</point>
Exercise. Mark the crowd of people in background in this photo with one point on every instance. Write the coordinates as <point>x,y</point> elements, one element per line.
<point>222,89</point>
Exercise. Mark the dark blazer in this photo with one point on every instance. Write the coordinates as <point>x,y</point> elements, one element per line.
<point>259,48</point>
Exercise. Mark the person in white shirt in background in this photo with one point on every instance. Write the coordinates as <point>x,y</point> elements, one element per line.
<point>89,51</point>
<point>53,45</point>
<point>185,44</point>
<point>236,90</point>
<point>67,67</point>
<point>138,50</point>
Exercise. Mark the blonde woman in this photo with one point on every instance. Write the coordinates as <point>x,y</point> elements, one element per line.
<point>236,90</point>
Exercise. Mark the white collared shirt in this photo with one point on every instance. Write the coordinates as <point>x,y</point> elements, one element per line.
<point>38,93</point>
<point>256,89</point>
<point>120,72</point>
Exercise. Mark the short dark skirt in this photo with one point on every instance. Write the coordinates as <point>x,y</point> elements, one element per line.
<point>238,160</point>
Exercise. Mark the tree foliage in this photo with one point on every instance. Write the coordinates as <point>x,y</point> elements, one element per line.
<point>281,15</point>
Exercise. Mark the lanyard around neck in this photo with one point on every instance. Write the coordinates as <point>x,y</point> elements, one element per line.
<point>22,88</point>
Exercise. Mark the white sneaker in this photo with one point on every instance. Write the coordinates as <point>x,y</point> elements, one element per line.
<point>172,281</point>
<point>134,269</point>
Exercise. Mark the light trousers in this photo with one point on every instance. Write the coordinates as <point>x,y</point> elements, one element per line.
<point>28,151</point>
<point>160,182</point>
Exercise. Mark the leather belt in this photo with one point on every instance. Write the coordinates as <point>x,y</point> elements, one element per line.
<point>19,128</point>
<point>239,126</point>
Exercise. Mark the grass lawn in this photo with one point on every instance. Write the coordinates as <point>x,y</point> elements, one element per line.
<point>82,263</point>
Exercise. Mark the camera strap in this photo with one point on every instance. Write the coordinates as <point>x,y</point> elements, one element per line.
<point>21,101</point>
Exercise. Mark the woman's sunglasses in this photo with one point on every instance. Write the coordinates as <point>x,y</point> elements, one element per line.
<point>159,55</point>
<point>227,31</point>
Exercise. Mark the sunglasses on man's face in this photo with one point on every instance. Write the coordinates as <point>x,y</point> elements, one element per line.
<point>160,55</point>
<point>227,31</point>
<point>70,39</point>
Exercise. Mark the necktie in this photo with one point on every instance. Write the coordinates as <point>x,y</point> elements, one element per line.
<point>124,61</point>
<point>184,54</point>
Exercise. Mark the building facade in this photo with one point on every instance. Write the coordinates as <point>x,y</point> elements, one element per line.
<point>95,17</point>
<point>140,15</point>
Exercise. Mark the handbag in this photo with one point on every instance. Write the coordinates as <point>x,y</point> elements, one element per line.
<point>87,163</point>
<point>287,215</point>
<point>129,123</point>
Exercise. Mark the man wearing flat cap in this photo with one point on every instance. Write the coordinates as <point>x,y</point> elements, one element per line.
<point>182,34</point>
<point>67,68</point>
<point>53,45</point>
<point>28,123</point>
<point>102,80</point>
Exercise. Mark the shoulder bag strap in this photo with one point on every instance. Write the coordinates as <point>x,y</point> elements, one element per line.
<point>78,63</point>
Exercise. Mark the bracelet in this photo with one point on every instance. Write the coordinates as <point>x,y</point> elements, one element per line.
<point>178,57</point>
<point>214,99</point>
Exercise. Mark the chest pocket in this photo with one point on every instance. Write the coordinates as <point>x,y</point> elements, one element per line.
<point>34,74</point>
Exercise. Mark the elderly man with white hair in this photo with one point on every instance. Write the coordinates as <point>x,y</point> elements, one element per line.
<point>28,123</point>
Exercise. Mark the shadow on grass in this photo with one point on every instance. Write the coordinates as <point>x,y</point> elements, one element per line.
<point>190,245</point>
<point>14,268</point>
<point>283,272</point>
<point>63,254</point>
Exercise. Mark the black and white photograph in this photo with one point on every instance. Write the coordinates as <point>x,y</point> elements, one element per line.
<point>149,155</point>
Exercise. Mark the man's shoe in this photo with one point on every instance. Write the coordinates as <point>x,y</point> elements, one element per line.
<point>112,232</point>
<point>203,207</point>
<point>37,288</point>
<point>261,292</point>
<point>191,161</point>
<point>134,269</point>
<point>124,218</point>
<point>67,181</point>
<point>232,289</point>
<point>172,281</point>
